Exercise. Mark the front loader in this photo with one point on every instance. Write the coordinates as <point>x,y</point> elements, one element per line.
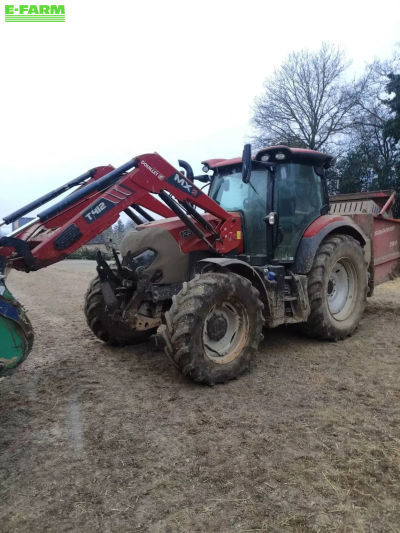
<point>264,247</point>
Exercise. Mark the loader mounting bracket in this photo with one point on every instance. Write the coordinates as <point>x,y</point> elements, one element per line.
<point>23,250</point>
<point>107,277</point>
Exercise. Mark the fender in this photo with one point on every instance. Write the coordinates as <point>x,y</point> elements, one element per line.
<point>243,269</point>
<point>318,230</point>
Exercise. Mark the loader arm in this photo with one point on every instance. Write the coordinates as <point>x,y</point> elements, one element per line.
<point>147,181</point>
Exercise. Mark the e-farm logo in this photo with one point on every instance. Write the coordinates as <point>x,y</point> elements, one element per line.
<point>34,13</point>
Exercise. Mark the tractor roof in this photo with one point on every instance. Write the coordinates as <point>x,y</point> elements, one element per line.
<point>278,154</point>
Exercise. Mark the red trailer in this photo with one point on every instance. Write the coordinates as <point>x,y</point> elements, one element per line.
<point>372,212</point>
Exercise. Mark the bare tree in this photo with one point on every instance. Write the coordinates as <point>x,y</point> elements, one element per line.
<point>370,158</point>
<point>306,102</point>
<point>371,114</point>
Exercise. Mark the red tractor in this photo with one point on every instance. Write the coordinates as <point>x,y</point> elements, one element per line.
<point>264,247</point>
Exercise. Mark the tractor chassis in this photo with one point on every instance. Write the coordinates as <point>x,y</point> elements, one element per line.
<point>134,300</point>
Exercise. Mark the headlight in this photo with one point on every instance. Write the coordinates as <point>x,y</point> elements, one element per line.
<point>143,259</point>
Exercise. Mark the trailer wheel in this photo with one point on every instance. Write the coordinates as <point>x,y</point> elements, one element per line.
<point>213,327</point>
<point>103,327</point>
<point>337,288</point>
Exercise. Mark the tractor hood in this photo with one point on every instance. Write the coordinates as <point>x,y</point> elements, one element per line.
<point>170,265</point>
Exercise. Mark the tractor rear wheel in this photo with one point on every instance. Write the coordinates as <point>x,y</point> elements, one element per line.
<point>213,328</point>
<point>337,288</point>
<point>100,322</point>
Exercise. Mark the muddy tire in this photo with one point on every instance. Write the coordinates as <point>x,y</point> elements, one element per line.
<point>101,324</point>
<point>213,328</point>
<point>337,289</point>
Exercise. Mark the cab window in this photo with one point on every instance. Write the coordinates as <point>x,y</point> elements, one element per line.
<point>229,191</point>
<point>298,199</point>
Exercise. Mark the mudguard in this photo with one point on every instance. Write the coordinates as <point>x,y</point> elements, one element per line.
<point>244,269</point>
<point>16,333</point>
<point>318,230</point>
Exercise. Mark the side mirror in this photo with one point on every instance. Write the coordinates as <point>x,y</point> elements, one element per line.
<point>246,163</point>
<point>204,178</point>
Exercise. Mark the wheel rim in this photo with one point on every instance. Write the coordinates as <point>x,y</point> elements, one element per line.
<point>225,332</point>
<point>342,289</point>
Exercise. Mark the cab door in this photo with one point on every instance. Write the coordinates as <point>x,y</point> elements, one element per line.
<point>298,200</point>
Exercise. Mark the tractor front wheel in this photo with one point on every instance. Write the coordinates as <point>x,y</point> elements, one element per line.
<point>101,323</point>
<point>337,288</point>
<point>213,328</point>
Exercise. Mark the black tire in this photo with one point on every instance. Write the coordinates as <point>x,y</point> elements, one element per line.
<point>214,311</point>
<point>99,321</point>
<point>337,288</point>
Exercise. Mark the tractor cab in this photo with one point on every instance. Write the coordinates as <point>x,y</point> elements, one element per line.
<point>279,192</point>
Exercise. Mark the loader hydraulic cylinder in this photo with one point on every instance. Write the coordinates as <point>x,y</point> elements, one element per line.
<point>9,219</point>
<point>88,189</point>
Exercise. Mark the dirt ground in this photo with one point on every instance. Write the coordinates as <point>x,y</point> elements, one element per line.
<point>104,439</point>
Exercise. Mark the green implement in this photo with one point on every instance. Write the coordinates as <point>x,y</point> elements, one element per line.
<point>16,333</point>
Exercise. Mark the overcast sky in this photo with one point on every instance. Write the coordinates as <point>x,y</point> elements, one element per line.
<point>122,78</point>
